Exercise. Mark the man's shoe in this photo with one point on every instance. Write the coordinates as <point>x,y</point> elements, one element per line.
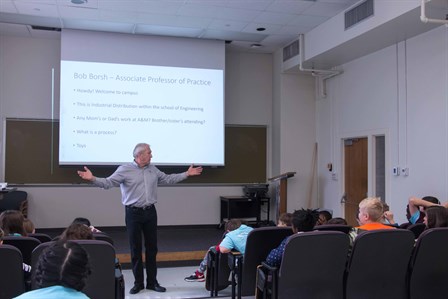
<point>157,287</point>
<point>135,289</point>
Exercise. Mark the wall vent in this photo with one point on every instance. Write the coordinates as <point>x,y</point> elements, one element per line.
<point>45,28</point>
<point>291,50</point>
<point>358,13</point>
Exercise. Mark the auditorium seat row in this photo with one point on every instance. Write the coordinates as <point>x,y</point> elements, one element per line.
<point>322,264</point>
<point>105,281</point>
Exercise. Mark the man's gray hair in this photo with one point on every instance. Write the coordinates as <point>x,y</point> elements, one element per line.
<point>140,147</point>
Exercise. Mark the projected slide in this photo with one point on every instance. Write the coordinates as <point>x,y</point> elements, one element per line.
<point>106,109</point>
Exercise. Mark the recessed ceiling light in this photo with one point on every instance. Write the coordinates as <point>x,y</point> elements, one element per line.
<point>79,1</point>
<point>258,29</point>
<point>254,46</point>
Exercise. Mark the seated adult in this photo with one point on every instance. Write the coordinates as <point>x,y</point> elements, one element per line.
<point>436,216</point>
<point>302,221</point>
<point>11,221</point>
<point>370,217</point>
<point>61,272</point>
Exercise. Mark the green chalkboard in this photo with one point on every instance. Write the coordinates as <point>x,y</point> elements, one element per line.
<point>32,148</point>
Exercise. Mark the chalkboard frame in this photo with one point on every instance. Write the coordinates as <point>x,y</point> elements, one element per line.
<point>32,146</point>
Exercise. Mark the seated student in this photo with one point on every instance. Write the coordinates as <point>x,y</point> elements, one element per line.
<point>86,222</point>
<point>302,221</point>
<point>337,220</point>
<point>28,225</point>
<point>11,222</point>
<point>388,216</point>
<point>284,220</point>
<point>76,231</point>
<point>436,216</point>
<point>61,272</point>
<point>26,268</point>
<point>237,241</point>
<point>324,216</point>
<point>417,207</point>
<point>370,217</point>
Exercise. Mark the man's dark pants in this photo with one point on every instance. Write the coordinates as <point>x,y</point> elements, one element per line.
<point>143,221</point>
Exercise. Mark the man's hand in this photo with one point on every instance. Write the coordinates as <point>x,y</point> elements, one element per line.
<point>193,170</point>
<point>86,174</point>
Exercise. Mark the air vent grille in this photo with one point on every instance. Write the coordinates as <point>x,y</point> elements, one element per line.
<point>358,13</point>
<point>291,50</point>
<point>46,28</point>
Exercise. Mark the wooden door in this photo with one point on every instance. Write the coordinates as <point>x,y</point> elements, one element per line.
<point>355,175</point>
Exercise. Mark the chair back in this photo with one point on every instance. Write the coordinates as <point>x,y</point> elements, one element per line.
<point>101,282</point>
<point>417,229</point>
<point>260,242</point>
<point>15,200</point>
<point>26,246</point>
<point>378,264</point>
<point>103,237</point>
<point>428,275</point>
<point>217,274</point>
<point>11,272</point>
<point>334,227</point>
<point>313,266</point>
<point>41,237</point>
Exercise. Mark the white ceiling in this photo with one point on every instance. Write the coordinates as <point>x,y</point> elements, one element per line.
<point>231,20</point>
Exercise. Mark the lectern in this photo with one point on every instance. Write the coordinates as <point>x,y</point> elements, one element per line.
<point>281,188</point>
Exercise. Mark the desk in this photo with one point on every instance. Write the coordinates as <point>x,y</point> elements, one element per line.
<point>242,207</point>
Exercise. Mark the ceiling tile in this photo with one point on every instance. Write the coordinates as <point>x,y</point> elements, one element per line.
<point>98,26</point>
<point>173,21</point>
<point>196,10</point>
<point>234,20</point>
<point>274,18</point>
<point>270,28</point>
<point>37,9</point>
<point>325,9</point>
<point>7,6</point>
<point>87,4</point>
<point>123,16</point>
<point>250,4</point>
<point>227,25</point>
<point>295,7</point>
<point>168,31</point>
<point>71,12</point>
<point>307,21</point>
<point>162,6</point>
<point>50,2</point>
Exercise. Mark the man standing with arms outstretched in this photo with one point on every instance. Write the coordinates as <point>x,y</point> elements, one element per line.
<point>138,182</point>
